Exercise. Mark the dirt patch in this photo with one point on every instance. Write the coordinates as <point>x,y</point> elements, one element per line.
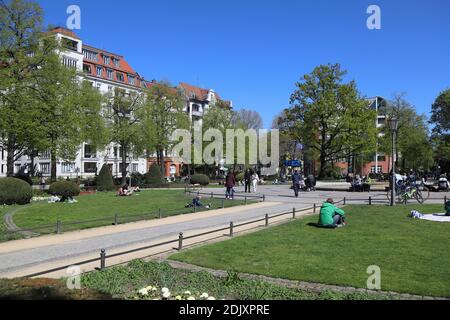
<point>44,289</point>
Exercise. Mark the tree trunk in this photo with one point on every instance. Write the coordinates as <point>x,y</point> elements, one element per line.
<point>323,164</point>
<point>53,166</point>
<point>10,150</point>
<point>124,163</point>
<point>160,155</point>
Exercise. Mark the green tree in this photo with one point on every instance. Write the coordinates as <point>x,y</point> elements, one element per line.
<point>440,118</point>
<point>24,48</point>
<point>329,117</point>
<point>413,149</point>
<point>161,114</point>
<point>104,180</point>
<point>123,124</point>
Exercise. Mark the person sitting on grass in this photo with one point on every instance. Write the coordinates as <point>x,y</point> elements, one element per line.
<point>331,216</point>
<point>196,203</point>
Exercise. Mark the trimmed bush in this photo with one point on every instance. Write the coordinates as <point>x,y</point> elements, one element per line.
<point>14,191</point>
<point>154,175</point>
<point>104,181</point>
<point>64,189</point>
<point>201,179</point>
<point>240,176</point>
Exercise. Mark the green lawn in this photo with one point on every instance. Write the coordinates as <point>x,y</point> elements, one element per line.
<point>413,254</point>
<point>141,206</point>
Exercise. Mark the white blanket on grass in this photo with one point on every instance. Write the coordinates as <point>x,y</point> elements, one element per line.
<point>437,217</point>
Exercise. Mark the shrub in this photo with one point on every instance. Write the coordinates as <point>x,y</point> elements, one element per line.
<point>154,175</point>
<point>240,176</point>
<point>201,179</point>
<point>64,189</point>
<point>15,191</point>
<point>104,181</point>
<point>25,177</point>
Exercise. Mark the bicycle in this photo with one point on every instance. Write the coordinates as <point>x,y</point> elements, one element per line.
<point>407,193</point>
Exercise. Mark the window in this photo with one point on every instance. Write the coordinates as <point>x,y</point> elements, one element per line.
<point>99,71</point>
<point>106,59</point>
<point>3,169</point>
<point>110,74</point>
<point>90,151</point>
<point>115,152</point>
<point>86,68</point>
<point>69,62</point>
<point>68,167</point>
<point>119,76</point>
<point>69,44</point>
<point>99,85</point>
<point>44,168</point>
<point>116,62</point>
<point>90,55</point>
<point>90,167</point>
<point>195,108</point>
<point>2,154</point>
<point>381,158</point>
<point>381,121</point>
<point>131,80</point>
<point>373,170</point>
<point>45,155</point>
<point>134,168</point>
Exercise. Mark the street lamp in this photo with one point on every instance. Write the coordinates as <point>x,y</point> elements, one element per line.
<point>392,123</point>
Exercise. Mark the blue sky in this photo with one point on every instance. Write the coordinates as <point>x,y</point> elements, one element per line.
<point>253,52</point>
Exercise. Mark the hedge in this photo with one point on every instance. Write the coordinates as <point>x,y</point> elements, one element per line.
<point>200,179</point>
<point>104,181</point>
<point>64,189</point>
<point>15,191</point>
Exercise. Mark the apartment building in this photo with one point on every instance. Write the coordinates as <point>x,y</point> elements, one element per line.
<point>106,71</point>
<point>380,162</point>
<point>196,102</point>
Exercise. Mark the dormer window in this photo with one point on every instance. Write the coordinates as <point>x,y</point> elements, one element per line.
<point>131,80</point>
<point>90,55</point>
<point>116,62</point>
<point>106,59</point>
<point>119,77</point>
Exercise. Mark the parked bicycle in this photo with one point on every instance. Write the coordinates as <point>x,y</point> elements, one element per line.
<point>406,193</point>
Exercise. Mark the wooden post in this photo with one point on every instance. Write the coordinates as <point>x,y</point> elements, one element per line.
<point>345,201</point>
<point>370,200</point>
<point>231,229</point>
<point>245,200</point>
<point>314,208</point>
<point>116,219</point>
<point>223,204</point>
<point>293,213</point>
<point>267,220</point>
<point>159,213</point>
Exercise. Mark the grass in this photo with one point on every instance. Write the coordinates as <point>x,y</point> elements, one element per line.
<point>123,282</point>
<point>413,254</point>
<point>141,206</point>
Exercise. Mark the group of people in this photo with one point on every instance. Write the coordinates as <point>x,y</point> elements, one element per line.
<point>299,182</point>
<point>251,179</point>
<point>126,191</point>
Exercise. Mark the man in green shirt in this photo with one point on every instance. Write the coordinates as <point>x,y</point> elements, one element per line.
<point>331,216</point>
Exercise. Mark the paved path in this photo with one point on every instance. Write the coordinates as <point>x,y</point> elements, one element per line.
<point>20,254</point>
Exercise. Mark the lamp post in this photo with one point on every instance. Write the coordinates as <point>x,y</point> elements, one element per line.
<point>393,127</point>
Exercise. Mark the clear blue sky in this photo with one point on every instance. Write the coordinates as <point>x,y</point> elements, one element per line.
<point>253,52</point>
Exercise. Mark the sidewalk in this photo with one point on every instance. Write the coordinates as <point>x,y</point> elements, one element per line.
<point>46,252</point>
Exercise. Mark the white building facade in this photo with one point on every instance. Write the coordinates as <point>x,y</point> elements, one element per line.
<point>106,71</point>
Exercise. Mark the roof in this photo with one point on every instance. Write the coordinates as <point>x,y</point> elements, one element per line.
<point>194,92</point>
<point>65,32</point>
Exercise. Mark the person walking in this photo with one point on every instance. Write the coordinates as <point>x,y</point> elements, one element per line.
<point>255,181</point>
<point>296,182</point>
<point>230,182</point>
<point>247,178</point>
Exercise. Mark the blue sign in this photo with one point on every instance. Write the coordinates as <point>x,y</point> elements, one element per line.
<point>293,163</point>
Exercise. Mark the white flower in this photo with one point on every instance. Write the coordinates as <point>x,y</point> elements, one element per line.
<point>164,290</point>
<point>187,292</point>
<point>211,298</point>
<point>191,298</point>
<point>204,295</point>
<point>166,295</point>
<point>143,292</point>
<point>151,288</point>
<point>178,298</point>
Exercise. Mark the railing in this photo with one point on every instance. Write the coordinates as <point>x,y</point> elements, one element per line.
<point>180,241</point>
<point>117,219</point>
<point>222,195</point>
<point>181,238</point>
